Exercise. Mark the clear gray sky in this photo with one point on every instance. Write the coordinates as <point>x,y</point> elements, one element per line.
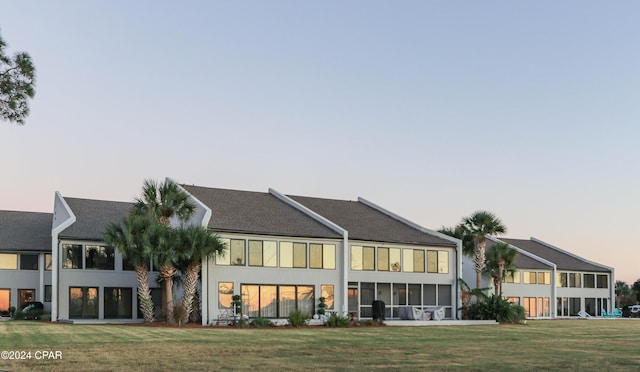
<point>432,109</point>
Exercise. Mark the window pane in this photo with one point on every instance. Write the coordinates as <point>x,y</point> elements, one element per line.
<point>225,257</point>
<point>306,299</point>
<point>368,258</point>
<point>286,254</point>
<point>287,300</point>
<point>547,278</point>
<point>394,259</point>
<point>72,256</point>
<point>83,302</point>
<point>99,257</point>
<point>429,293</point>
<point>251,300</point>
<point>5,301</point>
<point>356,257</point>
<point>384,293</point>
<point>25,295</point>
<point>127,265</point>
<point>8,261</point>
<point>407,260</point>
<point>432,261</point>
<point>117,303</point>
<point>315,256</point>
<point>270,253</point>
<point>268,301</point>
<point>237,252</point>
<point>329,256</point>
<point>589,281</point>
<point>444,295</point>
<point>383,259</point>
<point>399,294</point>
<point>367,294</point>
<point>225,292</point>
<point>75,302</point>
<point>300,255</point>
<point>418,260</point>
<point>443,262</point>
<point>47,261</point>
<point>47,293</point>
<point>415,293</point>
<point>327,293</point>
<point>28,261</point>
<point>91,303</point>
<point>603,281</point>
<point>255,253</point>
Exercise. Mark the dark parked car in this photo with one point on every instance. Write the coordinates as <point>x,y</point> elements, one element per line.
<point>33,310</point>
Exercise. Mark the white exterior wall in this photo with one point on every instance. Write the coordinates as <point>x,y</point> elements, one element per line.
<point>239,275</point>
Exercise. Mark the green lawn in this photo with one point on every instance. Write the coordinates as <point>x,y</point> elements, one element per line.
<point>550,345</point>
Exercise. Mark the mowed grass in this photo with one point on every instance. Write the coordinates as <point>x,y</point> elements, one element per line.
<point>610,344</point>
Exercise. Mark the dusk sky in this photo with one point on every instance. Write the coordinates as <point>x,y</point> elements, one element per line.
<point>432,109</point>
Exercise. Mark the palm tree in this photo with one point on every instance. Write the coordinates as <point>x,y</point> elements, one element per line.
<point>499,263</point>
<point>478,226</point>
<point>459,232</point>
<point>162,202</point>
<point>196,243</point>
<point>131,238</point>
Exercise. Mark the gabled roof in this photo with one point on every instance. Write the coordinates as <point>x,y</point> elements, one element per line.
<point>563,260</point>
<point>523,261</point>
<point>257,213</point>
<point>366,223</point>
<point>25,231</point>
<point>92,217</point>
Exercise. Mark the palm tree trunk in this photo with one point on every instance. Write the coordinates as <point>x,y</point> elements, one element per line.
<point>500,277</point>
<point>144,293</point>
<point>479,260</point>
<point>189,284</point>
<point>167,273</point>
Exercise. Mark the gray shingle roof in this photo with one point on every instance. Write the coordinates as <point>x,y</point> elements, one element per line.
<point>25,231</point>
<point>525,262</point>
<point>562,260</point>
<point>92,216</point>
<point>366,223</point>
<point>257,213</point>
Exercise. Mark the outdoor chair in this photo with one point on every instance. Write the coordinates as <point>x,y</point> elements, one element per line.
<point>606,314</point>
<point>584,314</point>
<point>617,313</point>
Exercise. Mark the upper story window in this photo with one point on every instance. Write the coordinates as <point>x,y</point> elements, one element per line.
<point>263,253</point>
<point>413,260</point>
<point>388,259</point>
<point>589,280</point>
<point>574,280</point>
<point>8,261</point>
<point>544,278</point>
<point>48,261</point>
<point>234,253</point>
<point>99,257</point>
<point>362,258</point>
<point>28,261</point>
<point>603,281</point>
<point>513,277</point>
<point>562,280</point>
<point>322,256</point>
<point>529,277</point>
<point>72,256</point>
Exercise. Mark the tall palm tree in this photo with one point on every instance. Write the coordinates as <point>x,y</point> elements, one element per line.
<point>162,202</point>
<point>478,226</point>
<point>500,259</point>
<point>460,232</point>
<point>130,237</point>
<point>196,243</point>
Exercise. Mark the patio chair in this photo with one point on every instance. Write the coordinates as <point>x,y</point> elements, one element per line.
<point>584,314</point>
<point>605,314</point>
<point>617,313</point>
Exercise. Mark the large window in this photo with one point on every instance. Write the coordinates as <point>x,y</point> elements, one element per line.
<point>234,254</point>
<point>362,258</point>
<point>562,280</point>
<point>8,261</point>
<point>272,301</point>
<point>263,253</point>
<point>83,302</point>
<point>5,301</point>
<point>99,257</point>
<point>413,260</point>
<point>514,278</point>
<point>589,281</point>
<point>530,307</point>
<point>544,278</point>
<point>603,281</point>
<point>574,280</point>
<point>28,261</point>
<point>117,303</point>
<point>529,277</point>
<point>389,259</point>
<point>72,256</point>
<point>438,262</point>
<point>322,256</point>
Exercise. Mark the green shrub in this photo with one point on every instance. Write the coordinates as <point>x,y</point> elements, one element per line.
<point>260,323</point>
<point>298,318</point>
<point>18,315</point>
<point>242,323</point>
<point>338,321</point>
<point>496,308</point>
<point>32,314</point>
